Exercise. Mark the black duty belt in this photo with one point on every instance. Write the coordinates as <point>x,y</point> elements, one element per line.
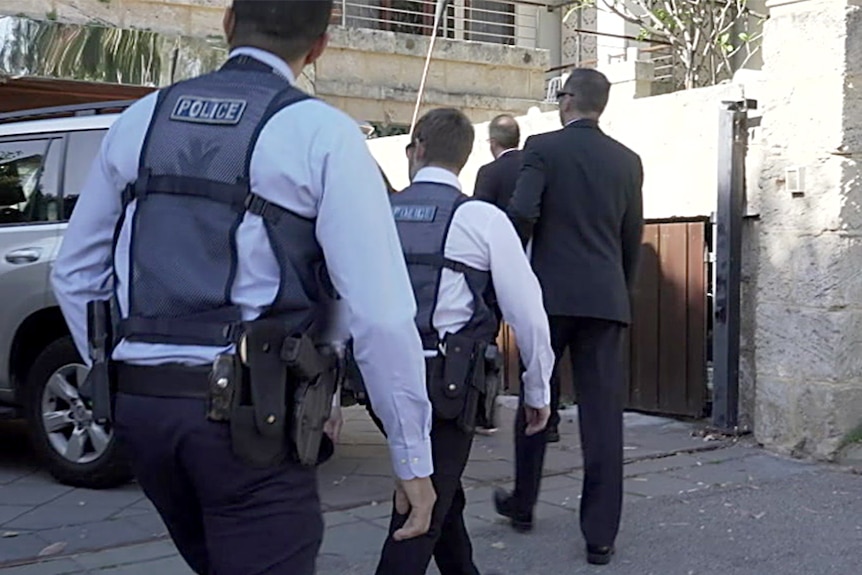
<point>169,380</point>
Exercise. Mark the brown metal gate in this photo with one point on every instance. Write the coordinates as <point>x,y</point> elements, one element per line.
<point>668,338</point>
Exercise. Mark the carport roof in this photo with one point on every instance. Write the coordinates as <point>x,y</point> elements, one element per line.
<point>28,93</point>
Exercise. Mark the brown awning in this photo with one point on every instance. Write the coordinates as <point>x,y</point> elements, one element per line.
<point>29,93</point>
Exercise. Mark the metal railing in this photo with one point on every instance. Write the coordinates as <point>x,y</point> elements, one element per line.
<point>664,62</point>
<point>506,22</point>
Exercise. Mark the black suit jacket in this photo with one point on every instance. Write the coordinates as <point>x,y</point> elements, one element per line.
<point>496,181</point>
<point>579,197</point>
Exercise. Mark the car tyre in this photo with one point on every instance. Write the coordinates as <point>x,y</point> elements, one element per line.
<point>75,450</point>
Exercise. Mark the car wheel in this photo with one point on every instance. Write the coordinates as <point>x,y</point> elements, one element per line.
<point>75,449</point>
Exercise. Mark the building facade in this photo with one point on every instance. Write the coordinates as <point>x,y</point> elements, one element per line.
<point>489,57</point>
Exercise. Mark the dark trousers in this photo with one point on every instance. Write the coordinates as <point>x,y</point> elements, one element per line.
<point>447,540</point>
<point>554,420</point>
<point>225,517</point>
<point>597,367</point>
<point>483,420</point>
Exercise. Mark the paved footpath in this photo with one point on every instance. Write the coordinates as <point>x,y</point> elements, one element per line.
<point>694,504</point>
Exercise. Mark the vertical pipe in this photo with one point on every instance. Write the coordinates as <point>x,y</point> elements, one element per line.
<point>732,145</point>
<point>438,13</point>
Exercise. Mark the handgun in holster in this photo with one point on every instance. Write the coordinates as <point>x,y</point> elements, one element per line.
<point>493,380</point>
<point>353,386</point>
<point>100,382</point>
<point>456,394</point>
<point>315,371</point>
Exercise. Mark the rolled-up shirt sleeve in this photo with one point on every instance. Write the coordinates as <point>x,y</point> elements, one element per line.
<point>520,299</point>
<point>366,264</point>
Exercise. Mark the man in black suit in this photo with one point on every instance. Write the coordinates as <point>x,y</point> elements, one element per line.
<point>495,182</point>
<point>578,199</point>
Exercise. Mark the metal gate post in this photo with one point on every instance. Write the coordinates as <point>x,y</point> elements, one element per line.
<point>732,146</point>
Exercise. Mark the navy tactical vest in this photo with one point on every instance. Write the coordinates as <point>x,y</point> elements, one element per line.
<point>423,213</point>
<point>192,193</point>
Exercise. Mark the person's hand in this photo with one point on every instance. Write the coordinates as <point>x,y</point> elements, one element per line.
<point>537,418</point>
<point>332,427</point>
<point>417,497</point>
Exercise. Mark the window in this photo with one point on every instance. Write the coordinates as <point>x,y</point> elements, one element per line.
<point>28,181</point>
<point>407,16</point>
<point>491,21</point>
<point>82,149</point>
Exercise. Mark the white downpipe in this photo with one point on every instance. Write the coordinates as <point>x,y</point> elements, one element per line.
<point>438,14</point>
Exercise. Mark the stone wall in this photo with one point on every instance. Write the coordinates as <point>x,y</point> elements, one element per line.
<point>376,75</point>
<point>809,243</point>
<point>372,75</point>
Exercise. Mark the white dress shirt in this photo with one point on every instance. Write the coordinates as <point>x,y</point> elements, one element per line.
<point>313,160</point>
<point>482,237</point>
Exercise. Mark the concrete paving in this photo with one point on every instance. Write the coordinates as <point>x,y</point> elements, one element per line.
<point>694,504</point>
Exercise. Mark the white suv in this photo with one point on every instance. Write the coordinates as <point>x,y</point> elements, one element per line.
<point>45,156</point>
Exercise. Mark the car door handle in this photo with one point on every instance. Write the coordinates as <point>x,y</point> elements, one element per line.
<point>24,256</point>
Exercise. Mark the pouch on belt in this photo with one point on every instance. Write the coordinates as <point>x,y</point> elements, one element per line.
<point>454,389</point>
<point>258,416</point>
<point>225,378</point>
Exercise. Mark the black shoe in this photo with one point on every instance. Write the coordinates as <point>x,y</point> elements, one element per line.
<point>599,555</point>
<point>552,435</point>
<point>504,503</point>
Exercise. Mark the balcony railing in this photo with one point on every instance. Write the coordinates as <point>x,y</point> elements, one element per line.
<point>506,22</point>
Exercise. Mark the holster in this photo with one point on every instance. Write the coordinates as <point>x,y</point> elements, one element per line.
<point>353,386</point>
<point>282,397</point>
<point>316,372</point>
<point>100,385</point>
<point>457,380</point>
<point>493,380</point>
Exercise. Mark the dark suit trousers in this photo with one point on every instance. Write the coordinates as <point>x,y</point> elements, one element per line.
<point>597,367</point>
<point>447,540</point>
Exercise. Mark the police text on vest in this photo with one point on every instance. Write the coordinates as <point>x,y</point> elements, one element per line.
<point>208,110</point>
<point>414,213</point>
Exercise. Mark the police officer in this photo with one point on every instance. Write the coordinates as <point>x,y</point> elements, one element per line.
<point>213,203</point>
<point>455,250</point>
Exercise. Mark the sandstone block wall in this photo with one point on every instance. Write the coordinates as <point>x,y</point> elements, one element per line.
<point>808,309</point>
<point>372,75</point>
<point>376,75</point>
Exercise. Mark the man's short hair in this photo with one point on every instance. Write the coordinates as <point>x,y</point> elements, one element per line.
<point>291,25</point>
<point>505,131</point>
<point>589,90</point>
<point>447,135</point>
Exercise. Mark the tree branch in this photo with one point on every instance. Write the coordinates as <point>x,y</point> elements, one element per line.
<point>612,6</point>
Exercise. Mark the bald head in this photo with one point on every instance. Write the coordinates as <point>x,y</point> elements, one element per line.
<point>503,134</point>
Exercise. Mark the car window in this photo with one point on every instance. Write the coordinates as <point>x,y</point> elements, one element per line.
<point>29,172</point>
<point>82,149</point>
